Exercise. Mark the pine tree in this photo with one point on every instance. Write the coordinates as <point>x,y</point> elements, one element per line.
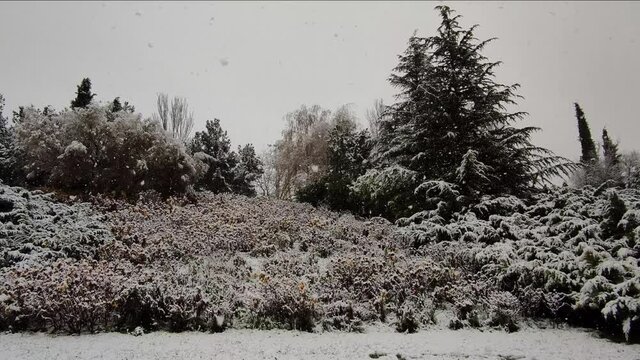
<point>449,104</point>
<point>247,171</point>
<point>83,95</point>
<point>116,105</point>
<point>6,145</point>
<point>589,153</point>
<point>213,147</point>
<point>4,123</point>
<point>610,150</point>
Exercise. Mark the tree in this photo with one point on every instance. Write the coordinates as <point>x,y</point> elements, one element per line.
<point>608,171</point>
<point>4,123</point>
<point>181,119</point>
<point>630,169</point>
<point>83,95</point>
<point>267,181</point>
<point>348,153</point>
<point>213,148</point>
<point>11,155</point>
<point>449,104</point>
<point>82,150</point>
<point>8,164</point>
<point>301,154</point>
<point>116,106</point>
<point>248,170</point>
<point>163,110</point>
<point>374,116</point>
<point>610,150</point>
<point>589,153</point>
<point>175,118</point>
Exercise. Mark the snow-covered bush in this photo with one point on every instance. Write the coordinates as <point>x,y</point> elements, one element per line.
<point>284,303</point>
<point>35,229</point>
<point>232,261</point>
<point>82,150</point>
<point>388,192</point>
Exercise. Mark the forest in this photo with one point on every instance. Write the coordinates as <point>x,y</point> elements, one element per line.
<point>441,212</point>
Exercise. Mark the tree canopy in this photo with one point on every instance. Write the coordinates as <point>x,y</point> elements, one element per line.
<point>449,104</point>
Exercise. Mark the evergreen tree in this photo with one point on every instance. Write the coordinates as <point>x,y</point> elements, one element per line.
<point>589,153</point>
<point>610,150</point>
<point>613,213</point>
<point>83,95</point>
<point>116,105</point>
<point>348,152</point>
<point>4,123</point>
<point>213,147</point>
<point>247,171</point>
<point>6,146</point>
<point>449,104</point>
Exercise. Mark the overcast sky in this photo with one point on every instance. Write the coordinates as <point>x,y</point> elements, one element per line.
<point>249,64</point>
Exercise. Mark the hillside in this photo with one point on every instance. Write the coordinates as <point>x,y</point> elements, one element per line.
<point>229,261</point>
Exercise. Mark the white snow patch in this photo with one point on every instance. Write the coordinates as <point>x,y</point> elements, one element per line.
<point>530,343</point>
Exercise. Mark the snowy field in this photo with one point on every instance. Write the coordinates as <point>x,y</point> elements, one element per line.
<point>252,344</point>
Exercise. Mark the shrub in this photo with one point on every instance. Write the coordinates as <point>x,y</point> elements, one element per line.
<point>284,302</point>
<point>82,150</point>
<point>387,192</point>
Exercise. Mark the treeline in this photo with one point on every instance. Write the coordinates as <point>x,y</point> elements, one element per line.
<point>447,141</point>
<point>110,149</point>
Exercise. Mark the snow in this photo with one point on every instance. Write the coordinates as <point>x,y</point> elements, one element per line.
<point>529,343</point>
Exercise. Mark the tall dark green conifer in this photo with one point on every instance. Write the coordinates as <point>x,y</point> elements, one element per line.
<point>449,104</point>
<point>247,171</point>
<point>610,150</point>
<point>5,144</point>
<point>83,95</point>
<point>116,105</point>
<point>213,147</point>
<point>589,153</point>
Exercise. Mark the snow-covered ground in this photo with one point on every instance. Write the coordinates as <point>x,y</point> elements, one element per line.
<point>253,344</point>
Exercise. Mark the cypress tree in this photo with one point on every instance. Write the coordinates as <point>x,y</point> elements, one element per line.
<point>589,153</point>
<point>83,95</point>
<point>610,150</point>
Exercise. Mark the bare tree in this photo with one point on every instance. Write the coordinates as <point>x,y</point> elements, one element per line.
<point>181,119</point>
<point>301,154</point>
<point>176,117</point>
<point>163,110</point>
<point>630,168</point>
<point>266,183</point>
<point>374,116</point>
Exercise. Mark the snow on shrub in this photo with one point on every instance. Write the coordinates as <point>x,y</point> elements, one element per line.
<point>232,261</point>
<point>82,149</point>
<point>37,229</point>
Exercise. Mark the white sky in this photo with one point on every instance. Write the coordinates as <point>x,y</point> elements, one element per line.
<point>251,63</point>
